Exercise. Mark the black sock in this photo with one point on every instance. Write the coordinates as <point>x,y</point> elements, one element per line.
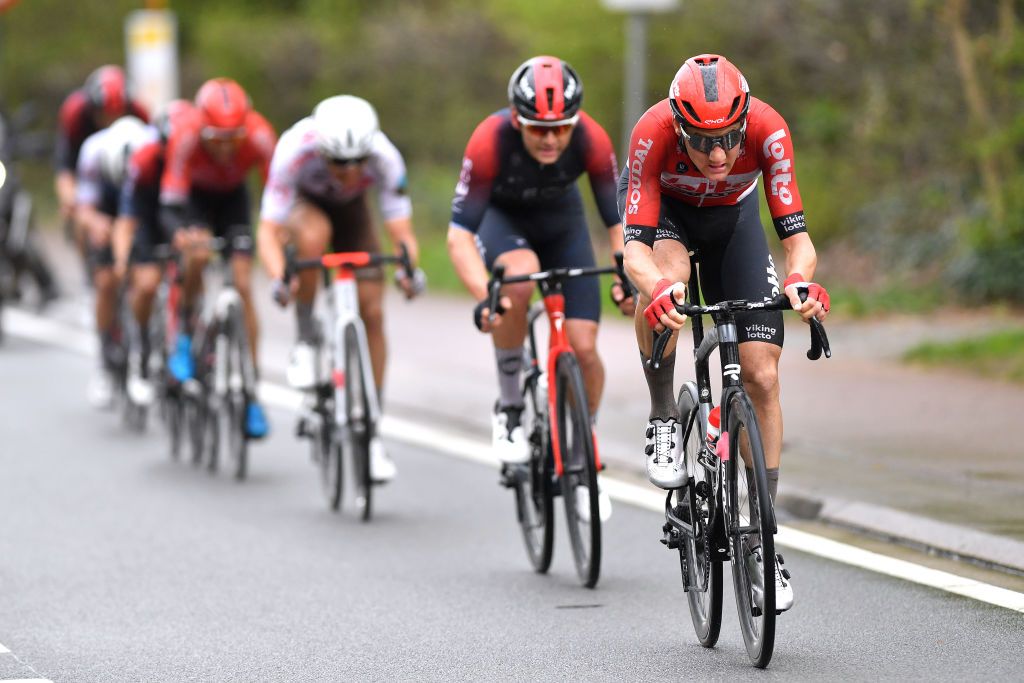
<point>659,384</point>
<point>510,363</point>
<point>305,322</point>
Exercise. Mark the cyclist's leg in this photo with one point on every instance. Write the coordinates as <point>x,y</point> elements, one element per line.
<point>194,261</point>
<point>310,227</point>
<point>500,240</point>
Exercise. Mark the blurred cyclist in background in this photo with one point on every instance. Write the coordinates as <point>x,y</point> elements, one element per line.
<point>203,194</point>
<point>316,197</point>
<point>137,233</point>
<point>101,172</point>
<point>104,98</point>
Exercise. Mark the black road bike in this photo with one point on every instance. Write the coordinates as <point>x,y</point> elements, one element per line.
<point>717,516</point>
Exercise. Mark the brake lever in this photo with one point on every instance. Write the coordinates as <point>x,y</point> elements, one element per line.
<point>494,287</point>
<point>819,341</point>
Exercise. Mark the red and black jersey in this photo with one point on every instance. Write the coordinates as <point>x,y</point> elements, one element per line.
<point>188,165</point>
<point>658,166</point>
<point>498,170</point>
<point>76,122</point>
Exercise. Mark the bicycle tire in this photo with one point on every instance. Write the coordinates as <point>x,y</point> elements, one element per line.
<point>238,397</point>
<point>705,600</point>
<point>174,412</point>
<point>576,444</point>
<point>359,427</point>
<point>757,624</point>
<point>533,483</point>
<point>194,408</point>
<point>330,458</point>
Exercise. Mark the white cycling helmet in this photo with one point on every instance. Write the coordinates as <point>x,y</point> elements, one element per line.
<point>119,141</point>
<point>345,127</point>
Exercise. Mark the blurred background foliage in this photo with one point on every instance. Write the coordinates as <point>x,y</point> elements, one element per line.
<point>907,114</point>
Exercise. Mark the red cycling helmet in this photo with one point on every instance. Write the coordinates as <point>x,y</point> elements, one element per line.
<point>107,91</point>
<point>222,104</point>
<point>709,91</point>
<point>545,89</point>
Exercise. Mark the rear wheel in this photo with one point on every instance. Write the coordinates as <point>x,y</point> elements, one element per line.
<point>359,427</point>
<point>579,473</point>
<point>533,485</point>
<point>174,413</point>
<point>751,526</point>
<point>702,574</point>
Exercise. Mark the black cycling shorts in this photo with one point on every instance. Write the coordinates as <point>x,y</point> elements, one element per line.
<point>351,229</point>
<point>145,206</point>
<point>108,204</point>
<point>732,256</point>
<point>558,234</point>
<point>225,214</point>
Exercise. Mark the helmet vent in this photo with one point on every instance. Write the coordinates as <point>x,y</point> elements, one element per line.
<point>550,94</point>
<point>691,111</point>
<point>709,72</point>
<point>735,106</point>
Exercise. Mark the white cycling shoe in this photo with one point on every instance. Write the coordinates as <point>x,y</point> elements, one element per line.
<point>665,467</point>
<point>604,503</point>
<point>301,372</point>
<point>382,467</point>
<point>101,390</point>
<point>783,587</point>
<point>508,439</point>
<point>140,391</point>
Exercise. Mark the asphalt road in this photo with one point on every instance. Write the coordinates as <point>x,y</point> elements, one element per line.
<point>118,564</point>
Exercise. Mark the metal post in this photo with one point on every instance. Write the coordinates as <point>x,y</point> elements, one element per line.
<point>635,86</point>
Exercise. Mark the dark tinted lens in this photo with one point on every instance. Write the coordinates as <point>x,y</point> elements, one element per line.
<point>354,161</point>
<point>706,143</point>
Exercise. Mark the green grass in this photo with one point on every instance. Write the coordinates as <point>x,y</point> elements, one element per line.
<point>999,355</point>
<point>856,302</point>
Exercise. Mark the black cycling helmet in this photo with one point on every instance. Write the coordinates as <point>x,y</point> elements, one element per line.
<point>545,89</point>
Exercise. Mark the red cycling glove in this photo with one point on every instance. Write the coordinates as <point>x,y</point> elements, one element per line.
<point>813,289</point>
<point>662,300</point>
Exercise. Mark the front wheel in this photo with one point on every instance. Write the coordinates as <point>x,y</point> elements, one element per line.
<point>533,484</point>
<point>751,531</point>
<point>695,502</point>
<point>329,457</point>
<point>360,429</point>
<point>579,472</point>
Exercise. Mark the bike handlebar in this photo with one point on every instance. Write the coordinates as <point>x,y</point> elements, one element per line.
<point>558,274</point>
<point>819,340</point>
<point>345,259</point>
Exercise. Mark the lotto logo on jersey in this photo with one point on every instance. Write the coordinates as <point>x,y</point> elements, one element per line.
<point>781,175</point>
<point>636,168</point>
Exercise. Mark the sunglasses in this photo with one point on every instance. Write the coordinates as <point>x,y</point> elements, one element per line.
<point>705,144</point>
<point>222,134</point>
<point>540,129</point>
<point>345,163</point>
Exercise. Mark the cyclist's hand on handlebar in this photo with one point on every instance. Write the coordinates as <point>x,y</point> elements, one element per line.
<point>411,286</point>
<point>809,299</point>
<point>626,304</point>
<point>661,312</point>
<point>282,291</point>
<point>190,238</point>
<point>482,314</point>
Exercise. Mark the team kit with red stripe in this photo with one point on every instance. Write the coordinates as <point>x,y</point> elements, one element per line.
<point>662,195</point>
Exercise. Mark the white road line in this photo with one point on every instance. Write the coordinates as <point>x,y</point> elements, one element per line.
<point>65,336</point>
<point>3,650</point>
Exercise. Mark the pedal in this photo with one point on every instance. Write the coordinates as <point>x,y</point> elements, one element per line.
<point>671,537</point>
<point>302,428</point>
<point>513,475</point>
<point>785,573</point>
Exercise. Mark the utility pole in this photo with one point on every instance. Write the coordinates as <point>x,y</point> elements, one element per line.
<point>634,87</point>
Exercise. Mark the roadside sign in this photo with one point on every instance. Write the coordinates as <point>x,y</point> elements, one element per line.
<point>151,38</point>
<point>650,6</point>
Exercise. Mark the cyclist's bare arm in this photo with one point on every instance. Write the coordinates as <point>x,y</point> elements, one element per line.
<point>271,237</point>
<point>64,185</point>
<point>121,242</point>
<point>802,258</point>
<point>471,269</point>
<point>95,223</point>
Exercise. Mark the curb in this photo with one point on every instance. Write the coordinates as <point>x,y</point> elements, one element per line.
<point>895,526</point>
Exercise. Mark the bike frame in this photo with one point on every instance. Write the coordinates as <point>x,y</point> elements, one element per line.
<point>558,344</point>
<point>342,311</point>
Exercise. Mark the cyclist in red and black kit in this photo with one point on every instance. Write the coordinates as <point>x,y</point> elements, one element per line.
<point>517,204</point>
<point>690,183</point>
<point>138,233</point>
<point>203,193</point>
<point>103,99</point>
